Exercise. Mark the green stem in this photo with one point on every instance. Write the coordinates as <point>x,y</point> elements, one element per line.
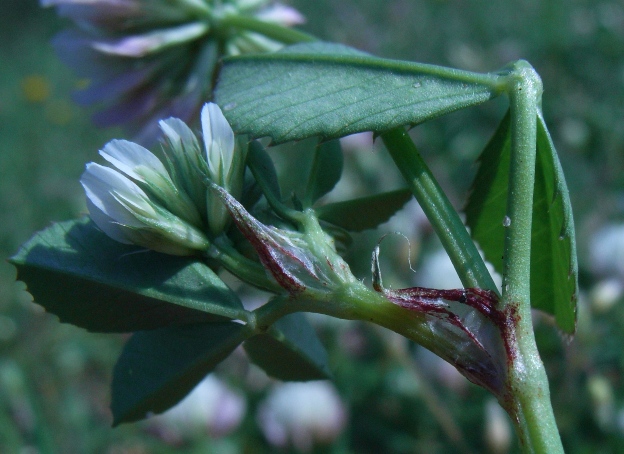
<point>276,308</point>
<point>438,209</point>
<point>270,30</point>
<point>528,396</point>
<point>240,266</point>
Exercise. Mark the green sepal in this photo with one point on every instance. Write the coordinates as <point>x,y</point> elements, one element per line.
<point>84,277</point>
<point>158,368</point>
<point>290,350</point>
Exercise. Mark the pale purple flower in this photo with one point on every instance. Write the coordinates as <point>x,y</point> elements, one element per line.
<point>150,59</point>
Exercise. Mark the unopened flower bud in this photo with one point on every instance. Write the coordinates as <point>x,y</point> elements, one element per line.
<point>225,164</point>
<point>184,156</point>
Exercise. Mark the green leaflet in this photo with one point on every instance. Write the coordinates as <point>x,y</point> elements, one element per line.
<point>263,169</point>
<point>365,212</point>
<point>290,350</point>
<point>487,203</point>
<point>329,90</point>
<point>554,266</point>
<point>325,172</point>
<point>158,368</point>
<point>85,278</point>
<point>554,270</point>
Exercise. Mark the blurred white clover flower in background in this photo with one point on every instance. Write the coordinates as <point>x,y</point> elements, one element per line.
<point>437,271</point>
<point>606,250</point>
<point>302,415</point>
<point>212,407</point>
<point>166,207</point>
<point>498,435</point>
<point>150,59</point>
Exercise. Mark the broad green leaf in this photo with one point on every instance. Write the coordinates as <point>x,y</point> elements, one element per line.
<point>325,172</point>
<point>329,90</point>
<point>158,368</point>
<point>290,350</point>
<point>553,251</point>
<point>78,273</point>
<point>366,212</point>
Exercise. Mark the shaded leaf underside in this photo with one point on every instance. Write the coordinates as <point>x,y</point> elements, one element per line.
<point>290,350</point>
<point>85,278</point>
<point>158,368</point>
<point>366,212</point>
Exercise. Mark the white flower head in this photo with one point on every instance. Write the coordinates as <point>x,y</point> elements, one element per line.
<point>166,208</point>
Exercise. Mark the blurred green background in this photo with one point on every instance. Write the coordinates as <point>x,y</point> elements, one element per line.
<point>54,378</point>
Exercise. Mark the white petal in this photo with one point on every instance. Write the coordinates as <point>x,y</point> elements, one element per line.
<point>100,183</point>
<point>107,224</point>
<point>218,138</point>
<point>179,133</point>
<point>141,45</point>
<point>127,156</point>
<point>281,14</point>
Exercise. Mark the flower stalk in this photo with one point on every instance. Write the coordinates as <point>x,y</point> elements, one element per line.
<point>439,210</point>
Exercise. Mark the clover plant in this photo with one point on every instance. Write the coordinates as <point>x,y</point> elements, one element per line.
<point>148,258</point>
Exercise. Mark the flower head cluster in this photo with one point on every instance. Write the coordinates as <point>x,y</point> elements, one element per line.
<point>165,206</point>
<point>152,59</point>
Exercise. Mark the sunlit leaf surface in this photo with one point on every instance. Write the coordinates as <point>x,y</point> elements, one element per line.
<point>330,90</point>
